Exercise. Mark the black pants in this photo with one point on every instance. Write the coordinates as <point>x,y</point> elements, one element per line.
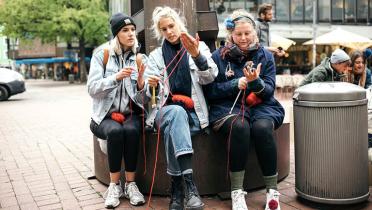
<point>121,140</point>
<point>262,134</point>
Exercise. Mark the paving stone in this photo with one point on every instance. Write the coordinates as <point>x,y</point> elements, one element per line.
<point>53,206</point>
<point>24,199</point>
<point>87,197</point>
<point>29,206</point>
<point>8,201</point>
<point>13,208</point>
<point>47,201</point>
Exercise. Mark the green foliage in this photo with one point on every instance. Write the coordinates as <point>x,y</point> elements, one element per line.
<point>83,20</point>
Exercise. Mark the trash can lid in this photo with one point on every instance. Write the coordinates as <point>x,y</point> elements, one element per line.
<point>329,92</point>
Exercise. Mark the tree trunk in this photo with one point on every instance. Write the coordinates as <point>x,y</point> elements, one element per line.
<point>82,66</point>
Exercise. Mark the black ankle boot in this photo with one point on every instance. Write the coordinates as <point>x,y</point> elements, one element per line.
<point>193,200</point>
<point>177,194</point>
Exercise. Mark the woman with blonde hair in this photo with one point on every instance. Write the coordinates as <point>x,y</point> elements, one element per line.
<point>115,82</point>
<point>178,68</point>
<point>243,107</point>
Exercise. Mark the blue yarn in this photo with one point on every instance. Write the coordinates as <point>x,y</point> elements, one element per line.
<point>229,24</point>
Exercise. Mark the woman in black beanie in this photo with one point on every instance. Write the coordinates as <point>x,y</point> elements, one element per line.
<point>115,83</point>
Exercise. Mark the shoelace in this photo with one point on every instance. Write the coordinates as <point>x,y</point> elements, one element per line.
<point>193,192</point>
<point>237,199</point>
<point>274,195</point>
<point>111,192</point>
<point>133,189</point>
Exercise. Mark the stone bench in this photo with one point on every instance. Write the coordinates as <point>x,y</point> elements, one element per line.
<point>209,164</point>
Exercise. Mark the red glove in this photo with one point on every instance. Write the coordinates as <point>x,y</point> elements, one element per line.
<point>252,99</point>
<point>118,117</point>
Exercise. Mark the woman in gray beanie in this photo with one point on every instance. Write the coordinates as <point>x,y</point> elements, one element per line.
<point>115,84</point>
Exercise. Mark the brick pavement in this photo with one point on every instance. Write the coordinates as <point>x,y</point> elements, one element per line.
<point>46,155</point>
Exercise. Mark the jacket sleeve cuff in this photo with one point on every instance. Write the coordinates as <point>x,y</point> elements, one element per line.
<point>257,85</point>
<point>234,84</point>
<point>114,82</point>
<point>201,62</point>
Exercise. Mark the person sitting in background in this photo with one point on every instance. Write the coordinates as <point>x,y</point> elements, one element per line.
<point>330,69</point>
<point>360,74</point>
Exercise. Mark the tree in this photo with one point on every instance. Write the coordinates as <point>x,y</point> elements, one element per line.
<point>85,21</point>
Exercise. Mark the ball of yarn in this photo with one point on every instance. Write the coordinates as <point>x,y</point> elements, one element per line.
<point>252,99</point>
<point>118,117</point>
<point>187,101</point>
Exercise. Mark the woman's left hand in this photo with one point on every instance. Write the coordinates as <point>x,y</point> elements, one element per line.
<point>190,43</point>
<point>252,74</point>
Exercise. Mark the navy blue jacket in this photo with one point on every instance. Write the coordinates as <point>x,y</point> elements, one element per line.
<point>222,92</point>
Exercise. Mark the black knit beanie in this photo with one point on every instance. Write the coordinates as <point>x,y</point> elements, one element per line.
<point>118,21</point>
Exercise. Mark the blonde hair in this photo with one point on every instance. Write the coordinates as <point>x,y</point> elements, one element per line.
<point>118,48</point>
<point>166,12</point>
<point>246,18</point>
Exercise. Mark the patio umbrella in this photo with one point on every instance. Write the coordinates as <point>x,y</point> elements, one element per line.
<point>279,41</point>
<point>343,38</point>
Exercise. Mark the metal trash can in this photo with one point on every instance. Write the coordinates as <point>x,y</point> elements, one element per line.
<point>71,78</point>
<point>331,142</point>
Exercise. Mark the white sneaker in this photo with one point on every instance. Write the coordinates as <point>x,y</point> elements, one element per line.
<point>133,194</point>
<point>112,195</point>
<point>238,200</point>
<point>272,200</point>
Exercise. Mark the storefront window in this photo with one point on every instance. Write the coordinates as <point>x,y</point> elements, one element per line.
<point>282,10</point>
<point>119,6</point>
<point>225,7</point>
<point>350,11</point>
<point>370,11</point>
<point>337,10</point>
<point>324,8</point>
<point>297,10</point>
<point>266,1</point>
<point>309,10</point>
<point>362,10</point>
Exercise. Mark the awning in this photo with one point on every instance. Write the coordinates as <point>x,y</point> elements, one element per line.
<point>279,41</point>
<point>343,38</point>
<point>48,60</point>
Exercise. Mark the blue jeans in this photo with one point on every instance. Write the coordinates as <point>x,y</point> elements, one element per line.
<point>176,132</point>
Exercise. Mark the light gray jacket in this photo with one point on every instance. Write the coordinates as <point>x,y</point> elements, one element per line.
<point>102,87</point>
<point>156,66</point>
<point>263,33</point>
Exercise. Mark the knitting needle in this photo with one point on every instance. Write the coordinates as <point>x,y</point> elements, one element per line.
<point>153,99</point>
<point>235,102</point>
